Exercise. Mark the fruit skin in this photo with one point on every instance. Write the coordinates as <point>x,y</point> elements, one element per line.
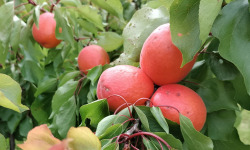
<point>188,102</point>
<point>127,81</point>
<point>161,60</point>
<point>91,56</point>
<point>45,35</point>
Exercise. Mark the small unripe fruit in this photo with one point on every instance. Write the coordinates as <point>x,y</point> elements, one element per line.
<point>91,56</point>
<point>161,60</point>
<point>45,35</point>
<point>129,82</point>
<point>172,98</point>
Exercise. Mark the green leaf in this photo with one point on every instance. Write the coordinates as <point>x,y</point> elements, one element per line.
<point>217,95</point>
<point>6,17</point>
<point>112,131</point>
<point>142,24</point>
<point>36,15</point>
<point>88,26</point>
<point>154,126</point>
<point>68,76</point>
<point>160,118</point>
<point>223,69</point>
<point>149,144</point>
<point>232,29</point>
<point>111,146</point>
<point>170,139</point>
<point>41,108</point>
<point>232,144</point>
<point>47,85</point>
<point>3,142</point>
<point>241,95</point>
<point>95,17</point>
<point>32,71</point>
<point>15,32</point>
<point>10,94</point>
<point>109,41</point>
<point>67,32</point>
<point>191,22</point>
<point>208,11</point>
<point>71,2</point>
<point>112,6</point>
<point>94,111</point>
<point>25,126</point>
<point>66,116</point>
<point>94,74</point>
<point>143,118</point>
<point>62,95</point>
<point>167,3</point>
<point>243,127</point>
<point>194,139</point>
<point>104,124</point>
<point>221,124</point>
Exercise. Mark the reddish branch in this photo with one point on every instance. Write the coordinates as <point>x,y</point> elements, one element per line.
<point>53,5</point>
<point>34,4</point>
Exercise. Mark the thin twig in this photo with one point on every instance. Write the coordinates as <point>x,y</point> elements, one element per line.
<point>53,5</point>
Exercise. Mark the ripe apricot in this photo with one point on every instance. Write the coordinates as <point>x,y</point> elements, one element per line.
<point>45,34</point>
<point>183,99</point>
<point>91,56</point>
<point>161,60</point>
<point>129,82</point>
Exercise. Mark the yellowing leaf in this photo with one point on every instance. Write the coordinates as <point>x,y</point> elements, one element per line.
<point>10,94</point>
<point>39,138</point>
<point>83,139</point>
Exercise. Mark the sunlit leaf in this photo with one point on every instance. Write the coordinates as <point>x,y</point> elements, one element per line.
<point>39,138</point>
<point>83,139</point>
<point>10,94</point>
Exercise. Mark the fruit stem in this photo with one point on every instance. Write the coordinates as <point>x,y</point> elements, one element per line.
<point>34,4</point>
<point>131,116</point>
<point>53,5</point>
<point>152,135</point>
<point>22,4</point>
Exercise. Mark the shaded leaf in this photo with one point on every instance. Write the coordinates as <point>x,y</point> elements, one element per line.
<point>83,138</point>
<point>25,126</point>
<point>66,116</point>
<point>223,69</point>
<point>48,85</point>
<point>10,94</point>
<point>41,108</point>
<point>149,144</point>
<point>221,124</point>
<point>94,74</point>
<point>232,144</point>
<point>194,139</point>
<point>241,95</point>
<point>94,111</point>
<point>217,95</point>
<point>143,22</point>
<point>112,131</point>
<point>232,29</point>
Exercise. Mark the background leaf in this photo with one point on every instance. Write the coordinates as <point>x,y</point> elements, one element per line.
<point>143,22</point>
<point>232,29</point>
<point>217,95</point>
<point>109,41</point>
